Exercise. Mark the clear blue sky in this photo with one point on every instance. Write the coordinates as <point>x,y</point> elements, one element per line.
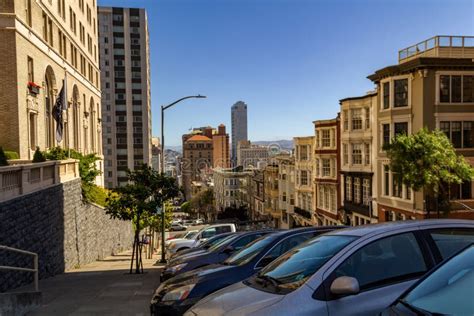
<point>289,60</point>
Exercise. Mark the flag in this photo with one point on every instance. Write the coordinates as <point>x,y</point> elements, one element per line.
<point>58,108</point>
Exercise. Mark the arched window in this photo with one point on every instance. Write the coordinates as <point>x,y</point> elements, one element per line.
<point>49,86</point>
<point>76,117</point>
<point>92,125</point>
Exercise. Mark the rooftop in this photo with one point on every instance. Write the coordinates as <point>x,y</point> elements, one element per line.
<point>440,46</point>
<point>198,138</point>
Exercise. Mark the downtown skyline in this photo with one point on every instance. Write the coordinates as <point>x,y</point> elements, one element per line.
<point>278,56</point>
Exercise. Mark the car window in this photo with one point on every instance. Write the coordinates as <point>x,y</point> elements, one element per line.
<point>283,246</point>
<point>448,290</point>
<point>208,232</point>
<point>223,229</point>
<point>221,242</point>
<point>385,260</point>
<point>250,251</point>
<point>244,241</point>
<point>190,235</point>
<point>452,240</point>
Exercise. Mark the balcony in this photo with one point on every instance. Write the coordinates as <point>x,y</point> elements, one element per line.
<point>440,46</point>
<point>25,177</point>
<point>304,213</point>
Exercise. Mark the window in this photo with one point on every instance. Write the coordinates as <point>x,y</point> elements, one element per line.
<point>33,140</point>
<point>317,168</point>
<point>456,89</point>
<point>468,89</point>
<point>326,198</point>
<point>386,134</point>
<point>326,138</point>
<point>31,74</point>
<point>386,95</point>
<point>287,244</point>
<point>367,154</point>
<point>445,127</point>
<point>28,13</point>
<point>368,265</point>
<point>304,177</point>
<point>356,154</point>
<point>397,185</point>
<point>452,240</point>
<point>346,120</point>
<point>367,118</point>
<point>357,190</point>
<point>345,154</point>
<point>356,119</point>
<point>348,188</point>
<point>401,93</point>
<point>468,135</point>
<point>444,88</point>
<point>333,199</point>
<point>326,167</point>
<point>401,128</point>
<point>386,171</point>
<point>366,191</point>
<point>456,134</point>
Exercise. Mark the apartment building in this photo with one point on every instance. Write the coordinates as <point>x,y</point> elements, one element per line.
<point>197,157</point>
<point>257,199</point>
<point>125,80</point>
<point>286,189</point>
<point>431,86</point>
<point>304,194</point>
<point>327,197</point>
<point>249,155</point>
<point>44,44</point>
<point>220,148</point>
<point>271,197</point>
<point>358,140</point>
<point>227,188</point>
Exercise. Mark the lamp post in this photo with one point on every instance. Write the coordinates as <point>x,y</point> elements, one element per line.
<point>163,108</point>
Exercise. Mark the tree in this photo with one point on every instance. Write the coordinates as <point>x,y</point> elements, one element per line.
<point>186,207</point>
<point>38,156</point>
<point>3,158</point>
<point>139,200</point>
<point>203,201</point>
<point>427,160</point>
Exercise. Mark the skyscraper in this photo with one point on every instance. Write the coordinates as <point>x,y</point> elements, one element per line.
<point>239,126</point>
<point>125,82</point>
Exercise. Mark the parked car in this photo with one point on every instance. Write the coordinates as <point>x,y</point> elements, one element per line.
<point>188,222</point>
<point>202,246</point>
<point>198,221</point>
<point>354,271</point>
<point>446,290</point>
<point>216,254</point>
<point>187,235</point>
<point>178,294</point>
<point>200,237</point>
<point>177,227</point>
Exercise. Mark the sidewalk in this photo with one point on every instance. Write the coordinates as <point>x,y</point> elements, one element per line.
<point>101,288</point>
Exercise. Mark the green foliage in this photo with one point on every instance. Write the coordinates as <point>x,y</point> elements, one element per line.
<point>11,155</point>
<point>186,207</point>
<point>139,199</point>
<point>427,160</point>
<point>3,158</point>
<point>204,200</point>
<point>57,153</point>
<point>39,156</point>
<point>95,194</point>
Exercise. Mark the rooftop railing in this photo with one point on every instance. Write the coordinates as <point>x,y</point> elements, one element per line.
<point>455,44</point>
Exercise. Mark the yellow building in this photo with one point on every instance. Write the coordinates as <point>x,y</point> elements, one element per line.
<point>43,43</point>
<point>304,214</point>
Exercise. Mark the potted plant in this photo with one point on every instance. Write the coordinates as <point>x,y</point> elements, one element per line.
<point>33,88</point>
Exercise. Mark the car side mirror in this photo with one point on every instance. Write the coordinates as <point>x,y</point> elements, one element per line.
<point>345,285</point>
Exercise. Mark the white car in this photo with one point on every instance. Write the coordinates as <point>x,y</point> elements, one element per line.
<point>198,221</point>
<point>188,235</point>
<point>200,237</point>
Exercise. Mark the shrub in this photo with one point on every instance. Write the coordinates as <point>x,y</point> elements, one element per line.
<point>57,153</point>
<point>11,155</point>
<point>95,194</point>
<point>39,156</point>
<point>3,158</point>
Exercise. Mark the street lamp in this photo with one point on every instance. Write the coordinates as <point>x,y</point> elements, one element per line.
<point>163,108</point>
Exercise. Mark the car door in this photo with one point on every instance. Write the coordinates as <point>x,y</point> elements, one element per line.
<point>447,241</point>
<point>384,269</point>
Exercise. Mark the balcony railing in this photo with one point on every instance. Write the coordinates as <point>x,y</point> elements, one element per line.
<point>440,46</point>
<point>24,178</point>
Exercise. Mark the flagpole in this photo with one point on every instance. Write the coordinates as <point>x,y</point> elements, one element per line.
<point>67,112</point>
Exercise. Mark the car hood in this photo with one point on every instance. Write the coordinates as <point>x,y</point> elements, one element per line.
<point>190,257</point>
<point>237,299</point>
<point>198,275</point>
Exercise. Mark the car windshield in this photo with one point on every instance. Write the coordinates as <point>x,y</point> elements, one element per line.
<point>292,269</point>
<point>249,252</point>
<point>190,235</point>
<point>448,290</point>
<point>222,242</point>
<point>214,240</point>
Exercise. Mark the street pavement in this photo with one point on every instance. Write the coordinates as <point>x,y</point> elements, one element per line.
<point>101,288</point>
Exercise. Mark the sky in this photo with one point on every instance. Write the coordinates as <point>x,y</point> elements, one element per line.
<point>291,61</point>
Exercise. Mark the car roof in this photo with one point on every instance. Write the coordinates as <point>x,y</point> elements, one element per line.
<point>305,229</point>
<point>373,229</point>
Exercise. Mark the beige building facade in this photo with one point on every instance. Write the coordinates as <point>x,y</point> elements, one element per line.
<point>250,156</point>
<point>43,43</point>
<point>304,214</point>
<point>286,189</point>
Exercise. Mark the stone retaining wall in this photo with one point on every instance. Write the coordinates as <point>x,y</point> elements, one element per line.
<point>61,228</point>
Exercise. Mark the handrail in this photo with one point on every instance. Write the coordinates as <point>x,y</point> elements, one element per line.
<point>35,263</point>
<point>435,42</point>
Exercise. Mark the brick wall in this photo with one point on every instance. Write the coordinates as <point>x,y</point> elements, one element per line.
<point>64,231</point>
